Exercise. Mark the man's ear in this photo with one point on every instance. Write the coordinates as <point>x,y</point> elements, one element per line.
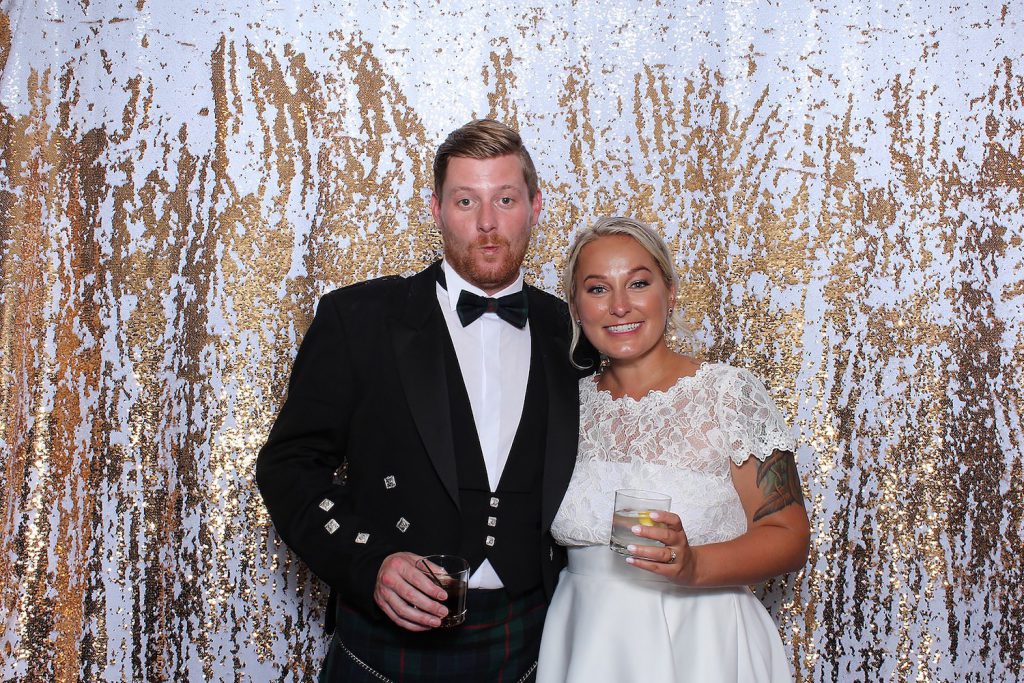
<point>435,208</point>
<point>536,204</point>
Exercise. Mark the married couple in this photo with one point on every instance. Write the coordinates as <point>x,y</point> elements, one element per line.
<point>458,411</point>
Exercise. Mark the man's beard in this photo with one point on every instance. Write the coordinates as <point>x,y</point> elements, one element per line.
<point>490,275</point>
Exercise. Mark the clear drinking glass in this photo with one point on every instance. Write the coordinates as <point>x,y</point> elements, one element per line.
<point>451,573</point>
<point>633,507</point>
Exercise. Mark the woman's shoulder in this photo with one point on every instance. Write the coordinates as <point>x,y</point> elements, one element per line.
<point>732,375</point>
<point>588,384</point>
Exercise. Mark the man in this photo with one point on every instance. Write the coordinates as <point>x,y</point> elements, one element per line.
<point>434,414</point>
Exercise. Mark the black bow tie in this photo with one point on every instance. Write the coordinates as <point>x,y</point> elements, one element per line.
<point>511,308</point>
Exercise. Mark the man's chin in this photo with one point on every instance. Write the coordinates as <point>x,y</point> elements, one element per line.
<point>492,276</point>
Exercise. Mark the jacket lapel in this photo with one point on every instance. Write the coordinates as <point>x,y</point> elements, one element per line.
<point>418,338</point>
<point>550,329</point>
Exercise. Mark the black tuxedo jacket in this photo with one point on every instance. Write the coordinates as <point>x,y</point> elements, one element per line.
<point>360,464</point>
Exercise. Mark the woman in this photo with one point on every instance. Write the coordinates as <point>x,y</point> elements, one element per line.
<point>657,420</point>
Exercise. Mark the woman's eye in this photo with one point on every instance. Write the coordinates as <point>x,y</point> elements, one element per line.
<point>639,284</point>
<point>596,289</point>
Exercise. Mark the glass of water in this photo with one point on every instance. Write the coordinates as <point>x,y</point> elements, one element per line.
<point>633,507</point>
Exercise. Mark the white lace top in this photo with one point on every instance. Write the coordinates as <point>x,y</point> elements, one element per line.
<point>678,442</point>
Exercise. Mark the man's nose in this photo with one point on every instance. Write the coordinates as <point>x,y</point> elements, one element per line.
<point>486,218</point>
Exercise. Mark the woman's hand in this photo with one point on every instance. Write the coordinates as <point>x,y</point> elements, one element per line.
<point>676,560</point>
<point>776,540</point>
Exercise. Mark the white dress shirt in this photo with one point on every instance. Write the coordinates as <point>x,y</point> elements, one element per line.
<point>494,358</point>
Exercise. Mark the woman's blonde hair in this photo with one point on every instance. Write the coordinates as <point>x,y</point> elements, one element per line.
<point>652,243</point>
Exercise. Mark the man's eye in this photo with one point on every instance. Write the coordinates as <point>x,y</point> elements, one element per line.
<point>505,201</point>
<point>462,202</point>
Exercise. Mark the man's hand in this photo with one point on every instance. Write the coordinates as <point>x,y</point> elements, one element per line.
<point>406,595</point>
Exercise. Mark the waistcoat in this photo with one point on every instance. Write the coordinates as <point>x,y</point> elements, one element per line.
<point>502,526</point>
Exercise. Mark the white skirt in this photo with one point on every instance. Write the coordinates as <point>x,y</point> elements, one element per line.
<point>610,621</point>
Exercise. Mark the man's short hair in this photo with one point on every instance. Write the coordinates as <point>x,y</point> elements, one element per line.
<point>483,139</point>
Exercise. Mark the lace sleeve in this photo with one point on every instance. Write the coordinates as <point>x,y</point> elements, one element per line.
<point>749,418</point>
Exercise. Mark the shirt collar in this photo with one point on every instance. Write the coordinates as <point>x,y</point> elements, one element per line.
<point>455,285</point>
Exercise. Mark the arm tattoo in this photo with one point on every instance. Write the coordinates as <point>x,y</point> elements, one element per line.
<point>779,482</point>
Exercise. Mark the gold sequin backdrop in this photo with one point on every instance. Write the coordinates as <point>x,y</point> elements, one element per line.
<point>841,182</point>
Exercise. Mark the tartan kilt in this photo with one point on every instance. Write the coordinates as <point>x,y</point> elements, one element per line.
<point>498,642</point>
